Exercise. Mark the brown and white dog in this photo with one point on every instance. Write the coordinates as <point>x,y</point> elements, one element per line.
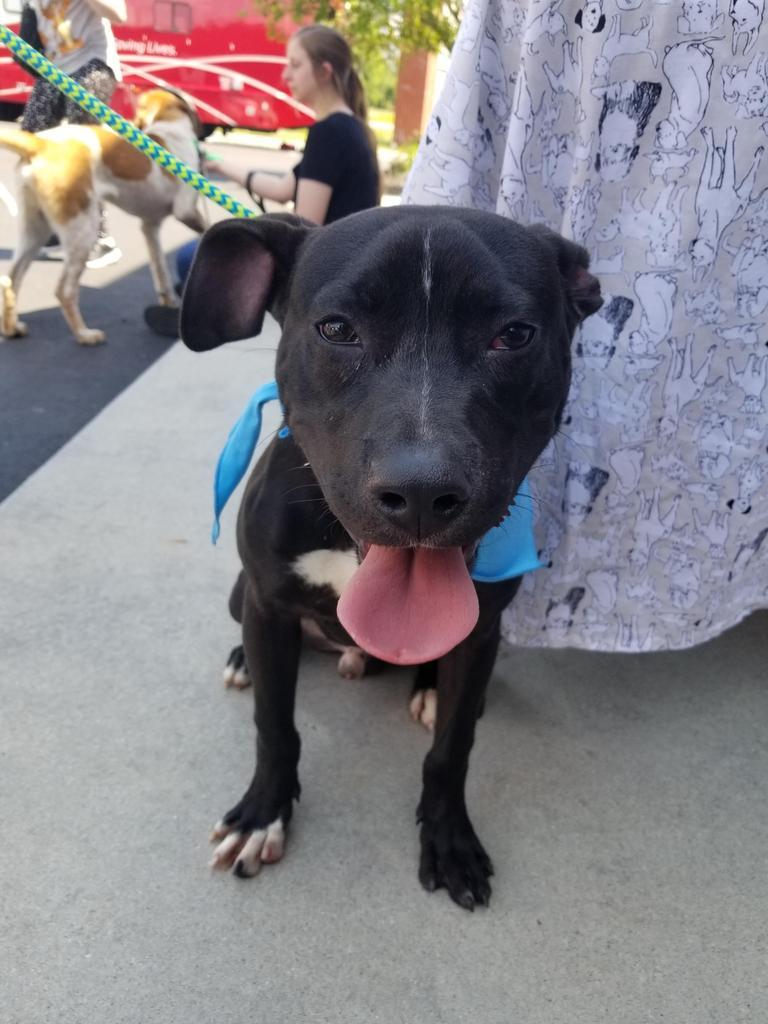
<point>67,171</point>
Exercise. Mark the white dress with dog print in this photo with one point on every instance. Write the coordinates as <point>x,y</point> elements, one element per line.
<point>638,129</point>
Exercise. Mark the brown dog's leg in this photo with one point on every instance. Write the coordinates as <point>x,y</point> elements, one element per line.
<point>33,231</point>
<point>77,239</point>
<point>158,265</point>
<point>12,327</point>
<point>67,292</point>
<point>185,209</point>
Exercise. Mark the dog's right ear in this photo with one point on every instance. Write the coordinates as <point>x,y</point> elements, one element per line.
<point>582,289</point>
<point>242,268</point>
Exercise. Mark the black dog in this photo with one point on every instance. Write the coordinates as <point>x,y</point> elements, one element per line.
<point>423,366</point>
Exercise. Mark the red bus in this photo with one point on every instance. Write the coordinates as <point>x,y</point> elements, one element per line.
<point>224,59</point>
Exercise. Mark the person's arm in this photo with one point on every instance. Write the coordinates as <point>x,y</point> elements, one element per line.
<point>278,187</point>
<point>28,32</point>
<point>312,200</point>
<point>112,10</point>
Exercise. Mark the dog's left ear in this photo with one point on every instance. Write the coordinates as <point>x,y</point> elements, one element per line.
<point>194,117</point>
<point>191,113</point>
<point>242,268</point>
<point>581,287</point>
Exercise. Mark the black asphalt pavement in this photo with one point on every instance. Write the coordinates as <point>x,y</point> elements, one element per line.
<point>51,387</point>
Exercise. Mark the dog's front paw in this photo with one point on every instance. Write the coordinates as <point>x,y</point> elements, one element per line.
<point>452,857</point>
<point>423,707</point>
<point>244,844</point>
<point>352,663</point>
<point>10,326</point>
<point>91,336</point>
<point>17,329</point>
<point>236,671</point>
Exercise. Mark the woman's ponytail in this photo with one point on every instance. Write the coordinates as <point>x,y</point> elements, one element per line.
<point>354,95</point>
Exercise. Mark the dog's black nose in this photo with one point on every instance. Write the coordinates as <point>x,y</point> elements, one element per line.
<point>417,493</point>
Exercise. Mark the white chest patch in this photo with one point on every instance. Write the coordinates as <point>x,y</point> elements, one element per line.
<point>326,568</point>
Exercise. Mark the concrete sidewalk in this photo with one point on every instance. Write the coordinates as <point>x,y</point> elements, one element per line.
<point>621,798</point>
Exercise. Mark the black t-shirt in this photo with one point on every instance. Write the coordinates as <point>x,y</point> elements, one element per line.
<point>338,154</point>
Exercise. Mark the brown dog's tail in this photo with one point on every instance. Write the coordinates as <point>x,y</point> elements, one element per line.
<point>25,144</point>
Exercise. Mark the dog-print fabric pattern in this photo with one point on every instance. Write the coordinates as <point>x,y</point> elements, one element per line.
<point>638,129</point>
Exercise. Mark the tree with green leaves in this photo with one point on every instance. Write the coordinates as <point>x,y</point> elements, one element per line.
<point>375,27</point>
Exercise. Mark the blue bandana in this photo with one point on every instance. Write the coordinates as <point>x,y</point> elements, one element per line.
<point>506,551</point>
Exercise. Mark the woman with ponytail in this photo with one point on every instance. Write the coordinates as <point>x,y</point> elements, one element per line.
<point>338,173</point>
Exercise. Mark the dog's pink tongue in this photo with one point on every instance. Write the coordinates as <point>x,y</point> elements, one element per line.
<point>409,605</point>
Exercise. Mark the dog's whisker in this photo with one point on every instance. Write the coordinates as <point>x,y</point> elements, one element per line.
<point>559,447</point>
<point>299,487</point>
<point>535,499</point>
<point>326,512</point>
<point>547,506</point>
<point>266,439</point>
<point>536,502</point>
<point>576,444</point>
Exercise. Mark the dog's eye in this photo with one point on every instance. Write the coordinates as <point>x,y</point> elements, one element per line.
<point>338,332</point>
<point>514,336</point>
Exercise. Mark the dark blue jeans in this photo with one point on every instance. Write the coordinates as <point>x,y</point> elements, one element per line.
<point>184,258</point>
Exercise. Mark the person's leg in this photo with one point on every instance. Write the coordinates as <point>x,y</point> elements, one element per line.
<point>97,78</point>
<point>184,258</point>
<point>44,108</point>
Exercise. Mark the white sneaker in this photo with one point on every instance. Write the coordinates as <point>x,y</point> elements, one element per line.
<point>52,250</point>
<point>104,253</point>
